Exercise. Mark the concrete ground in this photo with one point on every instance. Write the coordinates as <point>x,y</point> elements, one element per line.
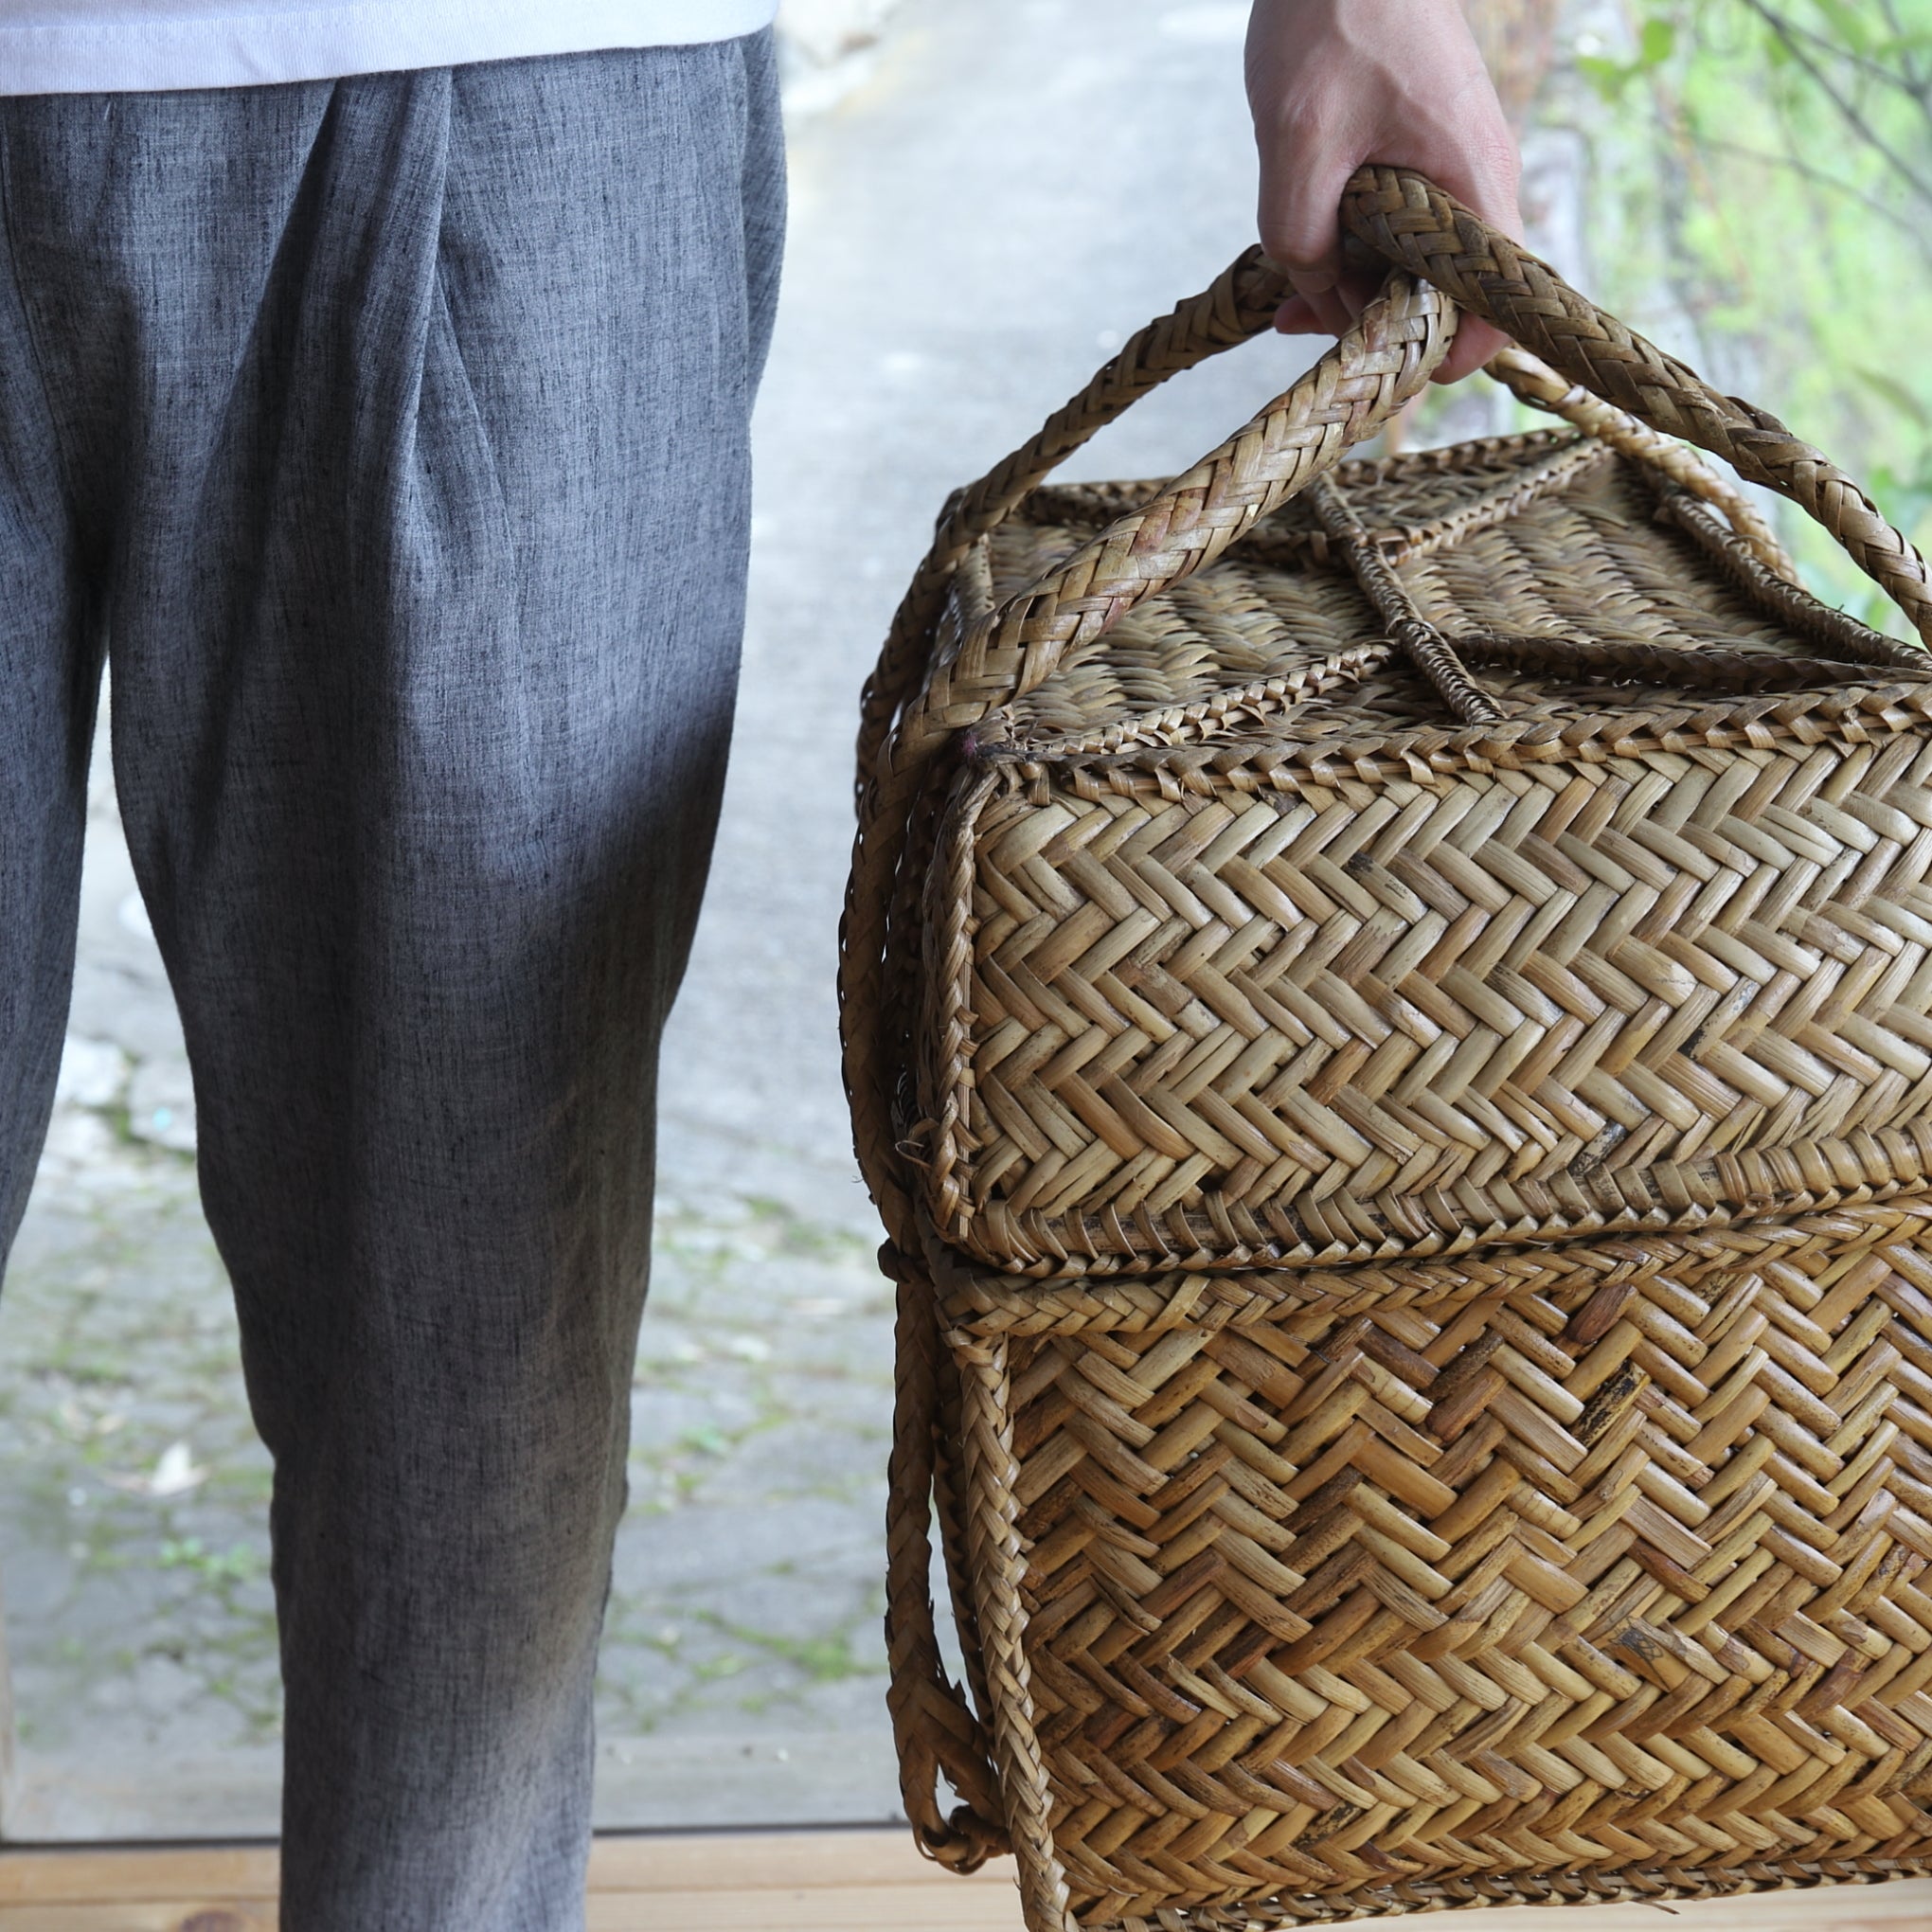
<point>1007,190</point>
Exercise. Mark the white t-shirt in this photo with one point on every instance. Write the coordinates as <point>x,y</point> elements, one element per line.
<point>82,46</point>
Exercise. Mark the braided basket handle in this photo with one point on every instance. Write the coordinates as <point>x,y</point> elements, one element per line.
<point>1408,219</point>
<point>1351,394</point>
<point>1239,304</point>
<point>935,1731</point>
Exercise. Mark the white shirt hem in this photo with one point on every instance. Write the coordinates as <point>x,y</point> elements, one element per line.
<point>325,42</point>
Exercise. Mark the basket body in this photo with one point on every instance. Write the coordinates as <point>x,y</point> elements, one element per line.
<point>1399,1040</point>
<point>1438,1225</point>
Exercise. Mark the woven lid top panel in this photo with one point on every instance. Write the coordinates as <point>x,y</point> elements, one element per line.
<point>1267,962</point>
<point>1254,636</point>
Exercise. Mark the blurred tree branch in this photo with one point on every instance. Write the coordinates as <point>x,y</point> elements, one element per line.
<point>1818,178</point>
<point>1761,169</point>
<point>1806,46</point>
<point>1519,41</point>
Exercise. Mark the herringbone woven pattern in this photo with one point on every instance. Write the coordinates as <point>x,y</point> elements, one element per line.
<point>1609,1562</point>
<point>1389,1015</point>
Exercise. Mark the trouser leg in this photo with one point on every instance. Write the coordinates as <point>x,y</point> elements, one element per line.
<point>50,678</point>
<point>424,625</point>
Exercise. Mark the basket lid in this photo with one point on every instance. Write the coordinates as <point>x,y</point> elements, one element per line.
<point>1548,539</point>
<point>1265,961</point>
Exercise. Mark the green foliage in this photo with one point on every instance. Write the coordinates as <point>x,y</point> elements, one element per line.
<point>238,1563</point>
<point>1761,200</point>
<point>1657,41</point>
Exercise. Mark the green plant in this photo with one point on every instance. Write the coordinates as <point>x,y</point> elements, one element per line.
<point>1758,196</point>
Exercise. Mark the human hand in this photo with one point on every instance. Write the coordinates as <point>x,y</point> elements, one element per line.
<point>1335,84</point>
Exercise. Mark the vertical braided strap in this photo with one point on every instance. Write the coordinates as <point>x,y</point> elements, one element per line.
<point>933,1729</point>
<point>1407,219</point>
<point>996,1560</point>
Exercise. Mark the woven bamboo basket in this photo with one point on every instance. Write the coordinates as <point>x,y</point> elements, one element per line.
<point>1388,1012</point>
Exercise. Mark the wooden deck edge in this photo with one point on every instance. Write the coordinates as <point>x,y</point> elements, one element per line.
<point>838,1879</point>
<point>646,1862</point>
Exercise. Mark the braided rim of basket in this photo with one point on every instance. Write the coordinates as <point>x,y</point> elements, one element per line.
<point>936,680</point>
<point>973,1302</point>
<point>1631,1884</point>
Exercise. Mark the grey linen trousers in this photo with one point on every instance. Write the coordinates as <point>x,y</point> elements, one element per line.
<point>388,436</point>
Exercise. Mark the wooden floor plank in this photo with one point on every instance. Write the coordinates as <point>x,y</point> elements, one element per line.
<point>96,1876</point>
<point>207,1914</point>
<point>756,1861</point>
<point>792,1882</point>
<point>191,1915</point>
<point>866,1909</point>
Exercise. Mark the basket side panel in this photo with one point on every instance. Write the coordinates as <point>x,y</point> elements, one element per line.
<point>1618,1567</point>
<point>1274,1013</point>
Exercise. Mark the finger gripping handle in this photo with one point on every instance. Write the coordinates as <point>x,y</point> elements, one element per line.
<point>1407,219</point>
